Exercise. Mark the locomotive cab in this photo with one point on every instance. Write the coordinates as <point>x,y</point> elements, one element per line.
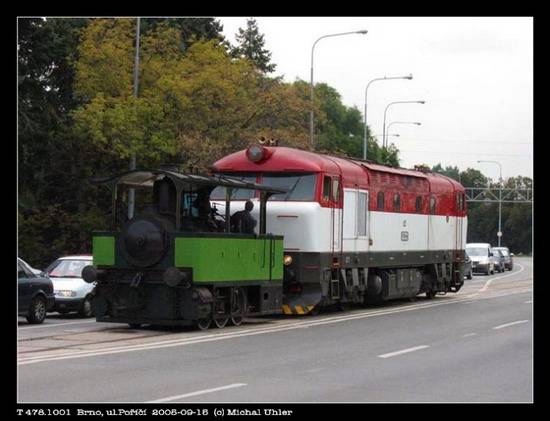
<point>176,261</point>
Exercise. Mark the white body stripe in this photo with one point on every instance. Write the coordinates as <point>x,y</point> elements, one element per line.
<point>307,227</point>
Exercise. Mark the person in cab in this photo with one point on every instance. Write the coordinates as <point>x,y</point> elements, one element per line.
<point>243,221</point>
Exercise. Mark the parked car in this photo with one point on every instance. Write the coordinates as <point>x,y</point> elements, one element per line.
<point>482,257</point>
<point>72,293</point>
<point>499,260</point>
<point>34,293</point>
<point>508,257</point>
<point>33,270</point>
<point>468,271</point>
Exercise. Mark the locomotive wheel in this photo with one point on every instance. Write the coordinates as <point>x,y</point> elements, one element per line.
<point>221,322</point>
<point>238,306</point>
<point>204,324</point>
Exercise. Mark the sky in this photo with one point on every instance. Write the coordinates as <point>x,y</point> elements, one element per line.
<point>475,74</point>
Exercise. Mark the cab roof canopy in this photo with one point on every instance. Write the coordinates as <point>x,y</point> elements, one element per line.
<point>145,178</point>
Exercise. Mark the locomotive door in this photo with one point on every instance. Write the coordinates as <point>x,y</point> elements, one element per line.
<point>336,215</point>
<point>331,200</point>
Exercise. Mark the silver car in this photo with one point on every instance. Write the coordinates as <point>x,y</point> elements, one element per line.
<point>482,258</point>
<point>508,257</point>
<point>499,260</point>
<point>72,293</point>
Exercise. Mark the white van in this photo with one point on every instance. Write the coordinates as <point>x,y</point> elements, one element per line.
<point>482,258</point>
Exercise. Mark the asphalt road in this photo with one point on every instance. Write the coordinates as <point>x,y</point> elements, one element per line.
<point>474,346</point>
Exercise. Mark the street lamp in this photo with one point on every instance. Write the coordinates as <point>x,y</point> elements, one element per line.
<point>499,234</point>
<point>363,32</point>
<point>131,192</point>
<point>366,135</point>
<point>386,110</point>
<point>417,123</point>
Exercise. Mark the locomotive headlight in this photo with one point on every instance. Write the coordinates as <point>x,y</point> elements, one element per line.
<point>287,260</point>
<point>256,153</point>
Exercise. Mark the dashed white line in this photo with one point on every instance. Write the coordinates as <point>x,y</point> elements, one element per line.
<point>403,351</point>
<point>199,392</point>
<point>528,302</point>
<point>510,324</point>
<point>469,334</point>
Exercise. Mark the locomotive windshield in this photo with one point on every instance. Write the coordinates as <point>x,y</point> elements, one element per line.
<point>299,186</point>
<point>237,194</point>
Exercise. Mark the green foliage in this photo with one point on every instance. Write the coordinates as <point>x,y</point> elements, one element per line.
<point>516,222</point>
<point>251,47</point>
<point>197,101</point>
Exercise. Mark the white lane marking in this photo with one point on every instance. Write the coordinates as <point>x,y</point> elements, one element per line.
<point>486,285</point>
<point>499,277</point>
<point>528,302</point>
<point>469,334</point>
<point>248,332</point>
<point>54,325</point>
<point>510,324</point>
<point>403,351</point>
<point>198,392</point>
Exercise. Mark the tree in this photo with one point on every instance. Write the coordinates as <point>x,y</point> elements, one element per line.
<point>251,46</point>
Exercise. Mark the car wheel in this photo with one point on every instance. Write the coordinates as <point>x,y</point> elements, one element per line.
<point>37,310</point>
<point>86,310</point>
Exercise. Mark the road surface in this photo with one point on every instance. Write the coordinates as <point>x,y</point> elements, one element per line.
<point>474,346</point>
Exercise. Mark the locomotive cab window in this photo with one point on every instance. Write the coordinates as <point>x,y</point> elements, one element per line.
<point>380,201</point>
<point>335,189</point>
<point>298,186</point>
<point>327,188</point>
<point>432,205</point>
<point>418,204</point>
<point>397,202</point>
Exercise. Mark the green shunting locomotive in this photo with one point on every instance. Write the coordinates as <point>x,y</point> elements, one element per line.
<point>177,261</point>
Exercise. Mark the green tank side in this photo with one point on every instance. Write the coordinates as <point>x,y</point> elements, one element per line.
<point>103,249</point>
<point>230,259</point>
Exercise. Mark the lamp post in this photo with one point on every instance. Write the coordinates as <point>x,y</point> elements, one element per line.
<point>386,110</point>
<point>131,192</point>
<point>499,234</point>
<point>417,123</point>
<point>363,32</point>
<point>366,134</point>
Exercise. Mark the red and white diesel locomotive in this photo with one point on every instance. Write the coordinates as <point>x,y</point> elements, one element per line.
<point>355,231</point>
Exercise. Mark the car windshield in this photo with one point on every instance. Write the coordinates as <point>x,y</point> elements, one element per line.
<point>477,251</point>
<point>503,251</point>
<point>299,186</point>
<point>497,253</point>
<point>67,268</point>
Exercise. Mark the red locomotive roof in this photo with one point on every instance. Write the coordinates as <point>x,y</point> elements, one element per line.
<point>354,173</point>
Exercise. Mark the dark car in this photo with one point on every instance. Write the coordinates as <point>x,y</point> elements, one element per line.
<point>35,294</point>
<point>508,257</point>
<point>500,261</point>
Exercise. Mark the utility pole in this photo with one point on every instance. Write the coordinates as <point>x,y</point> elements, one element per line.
<point>131,192</point>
